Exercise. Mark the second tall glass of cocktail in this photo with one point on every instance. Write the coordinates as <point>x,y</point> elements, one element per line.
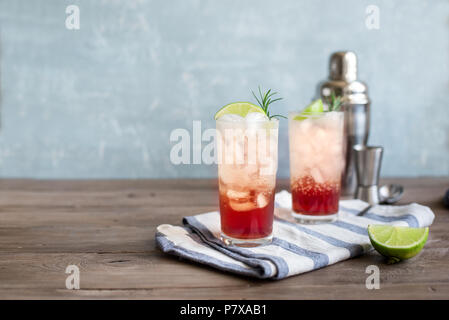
<point>247,156</point>
<point>316,164</point>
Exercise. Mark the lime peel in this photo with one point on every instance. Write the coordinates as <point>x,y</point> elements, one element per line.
<point>239,108</point>
<point>314,108</point>
<point>397,243</point>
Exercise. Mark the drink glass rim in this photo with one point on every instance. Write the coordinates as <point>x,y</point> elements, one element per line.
<point>248,122</point>
<point>312,115</point>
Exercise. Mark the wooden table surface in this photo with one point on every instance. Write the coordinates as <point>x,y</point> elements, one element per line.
<point>107,228</point>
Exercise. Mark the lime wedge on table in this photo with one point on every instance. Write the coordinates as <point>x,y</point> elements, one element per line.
<point>316,107</point>
<point>240,108</point>
<point>397,243</point>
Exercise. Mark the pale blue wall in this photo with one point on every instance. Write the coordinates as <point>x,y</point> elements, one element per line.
<point>101,102</point>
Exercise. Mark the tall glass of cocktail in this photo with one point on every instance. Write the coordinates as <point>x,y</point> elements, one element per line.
<point>247,154</point>
<point>316,164</point>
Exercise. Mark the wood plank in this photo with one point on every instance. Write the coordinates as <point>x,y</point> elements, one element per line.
<point>347,292</point>
<point>137,275</point>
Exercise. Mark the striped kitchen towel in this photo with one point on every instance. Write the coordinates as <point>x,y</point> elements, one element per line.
<point>296,248</point>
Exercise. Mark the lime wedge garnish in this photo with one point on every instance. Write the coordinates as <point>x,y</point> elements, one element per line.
<point>316,107</point>
<point>397,243</point>
<point>240,108</point>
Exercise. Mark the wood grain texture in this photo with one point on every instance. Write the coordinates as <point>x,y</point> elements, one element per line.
<point>107,228</point>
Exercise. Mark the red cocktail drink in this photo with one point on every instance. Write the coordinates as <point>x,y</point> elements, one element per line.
<point>249,217</point>
<point>315,198</point>
<point>247,175</point>
<point>316,165</point>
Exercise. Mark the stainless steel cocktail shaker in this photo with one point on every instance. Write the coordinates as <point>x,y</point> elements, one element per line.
<point>356,104</point>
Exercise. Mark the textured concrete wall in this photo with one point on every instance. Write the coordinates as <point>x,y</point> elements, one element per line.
<point>101,102</point>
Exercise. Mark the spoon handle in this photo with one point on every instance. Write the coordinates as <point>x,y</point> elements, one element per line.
<point>361,213</point>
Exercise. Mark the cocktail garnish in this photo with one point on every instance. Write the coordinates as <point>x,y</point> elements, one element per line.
<point>334,103</point>
<point>265,100</point>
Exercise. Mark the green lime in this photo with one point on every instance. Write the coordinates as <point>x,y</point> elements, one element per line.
<point>240,108</point>
<point>397,243</point>
<point>316,107</point>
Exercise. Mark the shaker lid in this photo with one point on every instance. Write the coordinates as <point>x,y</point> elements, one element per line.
<point>343,66</point>
<point>343,79</point>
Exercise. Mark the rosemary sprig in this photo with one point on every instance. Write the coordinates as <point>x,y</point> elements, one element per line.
<point>334,103</point>
<point>264,101</point>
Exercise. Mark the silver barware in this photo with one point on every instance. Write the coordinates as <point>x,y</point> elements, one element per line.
<point>367,163</point>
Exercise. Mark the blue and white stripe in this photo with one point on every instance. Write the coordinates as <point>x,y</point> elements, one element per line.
<point>295,248</point>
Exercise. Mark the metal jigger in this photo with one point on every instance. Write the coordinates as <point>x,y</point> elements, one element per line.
<point>367,163</point>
